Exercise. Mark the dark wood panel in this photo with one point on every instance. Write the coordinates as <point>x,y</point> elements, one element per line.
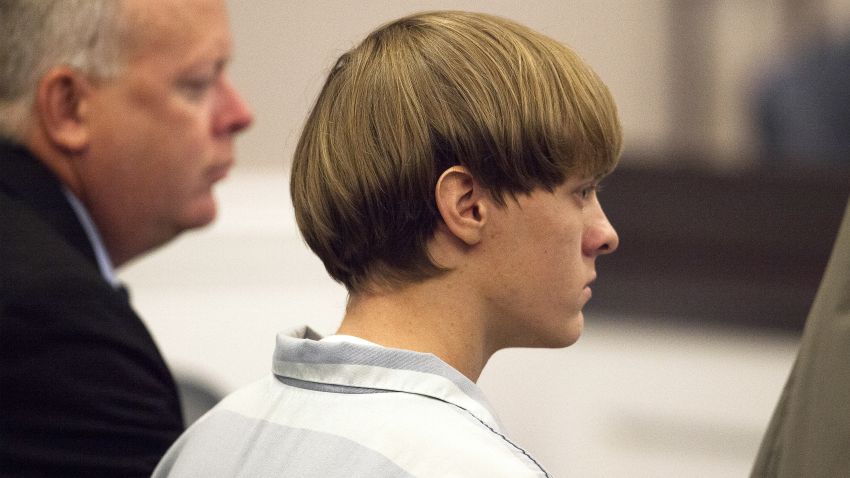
<point>747,248</point>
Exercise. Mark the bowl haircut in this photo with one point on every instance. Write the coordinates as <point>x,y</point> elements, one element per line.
<point>423,93</point>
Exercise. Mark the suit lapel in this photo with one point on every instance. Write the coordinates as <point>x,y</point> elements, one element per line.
<point>24,179</point>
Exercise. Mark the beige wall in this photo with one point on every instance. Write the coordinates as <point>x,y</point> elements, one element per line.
<point>284,49</point>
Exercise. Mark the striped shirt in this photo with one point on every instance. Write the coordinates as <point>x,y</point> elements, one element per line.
<point>347,409</point>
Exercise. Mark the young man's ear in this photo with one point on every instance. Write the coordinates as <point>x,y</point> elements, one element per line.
<point>60,103</point>
<point>462,203</point>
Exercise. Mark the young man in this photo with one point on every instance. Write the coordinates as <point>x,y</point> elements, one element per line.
<point>447,176</point>
<point>117,118</point>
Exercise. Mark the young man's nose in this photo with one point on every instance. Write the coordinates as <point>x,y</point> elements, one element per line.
<point>600,237</point>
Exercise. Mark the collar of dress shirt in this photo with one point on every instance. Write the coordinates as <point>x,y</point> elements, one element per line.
<point>302,355</point>
<point>103,260</point>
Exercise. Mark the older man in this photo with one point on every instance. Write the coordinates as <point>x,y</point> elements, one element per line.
<point>117,118</point>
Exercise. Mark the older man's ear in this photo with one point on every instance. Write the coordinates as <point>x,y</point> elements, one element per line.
<point>61,102</point>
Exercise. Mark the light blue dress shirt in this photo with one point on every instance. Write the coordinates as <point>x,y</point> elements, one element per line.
<point>104,263</point>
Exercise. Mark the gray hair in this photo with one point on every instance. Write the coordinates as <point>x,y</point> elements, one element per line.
<point>37,35</point>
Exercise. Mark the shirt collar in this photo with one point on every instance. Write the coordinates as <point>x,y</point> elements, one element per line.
<point>302,355</point>
<point>100,254</point>
<point>341,338</point>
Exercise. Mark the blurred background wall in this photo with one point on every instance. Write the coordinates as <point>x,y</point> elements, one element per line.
<point>726,202</point>
<point>683,72</point>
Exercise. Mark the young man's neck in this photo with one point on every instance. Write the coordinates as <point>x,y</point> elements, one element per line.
<point>426,317</point>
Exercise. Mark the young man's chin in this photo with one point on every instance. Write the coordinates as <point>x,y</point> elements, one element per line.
<point>564,334</point>
<point>571,332</point>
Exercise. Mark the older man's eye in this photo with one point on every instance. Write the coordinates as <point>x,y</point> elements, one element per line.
<point>194,89</point>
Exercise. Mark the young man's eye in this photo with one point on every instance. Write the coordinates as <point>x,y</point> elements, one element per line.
<point>588,191</point>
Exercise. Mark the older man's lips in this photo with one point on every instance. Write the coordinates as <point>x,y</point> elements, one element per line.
<point>217,173</point>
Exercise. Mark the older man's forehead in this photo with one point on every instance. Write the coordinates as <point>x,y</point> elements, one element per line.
<point>157,26</point>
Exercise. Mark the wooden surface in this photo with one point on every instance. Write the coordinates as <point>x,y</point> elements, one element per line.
<point>745,248</point>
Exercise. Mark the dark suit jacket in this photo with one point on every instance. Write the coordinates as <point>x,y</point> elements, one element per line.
<point>83,388</point>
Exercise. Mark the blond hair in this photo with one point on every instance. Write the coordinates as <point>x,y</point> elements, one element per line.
<point>424,93</point>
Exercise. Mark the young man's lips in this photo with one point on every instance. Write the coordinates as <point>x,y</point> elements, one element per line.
<point>587,291</point>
